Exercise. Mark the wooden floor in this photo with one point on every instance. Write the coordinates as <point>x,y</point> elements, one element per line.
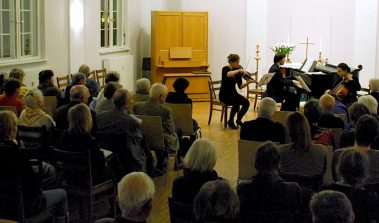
<point>226,167</point>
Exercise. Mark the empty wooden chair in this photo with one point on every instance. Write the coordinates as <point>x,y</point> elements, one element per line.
<point>215,103</point>
<point>51,103</point>
<point>92,75</point>
<point>100,76</point>
<point>63,82</point>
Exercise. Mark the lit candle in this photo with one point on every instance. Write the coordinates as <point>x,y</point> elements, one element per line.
<point>320,45</point>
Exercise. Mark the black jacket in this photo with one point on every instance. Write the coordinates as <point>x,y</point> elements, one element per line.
<point>277,86</point>
<point>263,129</point>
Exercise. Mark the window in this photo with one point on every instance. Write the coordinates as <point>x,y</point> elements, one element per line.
<point>111,25</point>
<point>19,30</point>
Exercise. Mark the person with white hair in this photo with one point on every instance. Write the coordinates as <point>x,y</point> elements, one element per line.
<point>142,93</point>
<point>135,198</point>
<point>19,74</point>
<point>328,119</point>
<point>263,128</point>
<point>374,88</point>
<point>155,107</point>
<point>199,164</point>
<point>370,102</point>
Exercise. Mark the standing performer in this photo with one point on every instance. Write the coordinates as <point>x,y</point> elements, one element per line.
<point>232,75</point>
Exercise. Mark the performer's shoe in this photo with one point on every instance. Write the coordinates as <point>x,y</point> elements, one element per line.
<point>232,125</point>
<point>239,123</point>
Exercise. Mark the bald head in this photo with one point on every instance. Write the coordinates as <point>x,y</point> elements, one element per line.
<point>79,93</point>
<point>84,69</point>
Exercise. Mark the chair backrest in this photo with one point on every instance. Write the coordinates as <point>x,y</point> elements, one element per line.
<point>214,88</point>
<point>180,212</point>
<point>328,176</point>
<point>246,158</point>
<point>305,181</point>
<point>9,108</point>
<point>281,116</point>
<point>92,75</point>
<point>11,205</point>
<point>182,117</point>
<point>32,136</point>
<point>151,127</point>
<point>63,81</point>
<point>51,102</point>
<point>100,76</point>
<point>336,133</point>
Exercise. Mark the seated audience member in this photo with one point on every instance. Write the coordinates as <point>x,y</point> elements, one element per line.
<point>154,107</point>
<point>111,76</point>
<point>331,206</point>
<point>366,130</point>
<point>46,85</point>
<point>312,111</point>
<point>76,79</point>
<point>328,119</point>
<point>302,152</point>
<point>78,138</point>
<point>10,95</point>
<point>19,74</point>
<point>91,83</point>
<point>352,172</point>
<point>78,94</point>
<point>374,88</point>
<point>14,164</point>
<point>135,199</point>
<point>179,96</point>
<point>370,102</point>
<point>198,169</point>
<point>120,132</point>
<point>106,104</point>
<point>356,110</point>
<point>216,202</point>
<point>142,93</point>
<point>263,128</point>
<point>267,192</point>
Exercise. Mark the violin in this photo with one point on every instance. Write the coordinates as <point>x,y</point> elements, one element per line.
<point>245,75</point>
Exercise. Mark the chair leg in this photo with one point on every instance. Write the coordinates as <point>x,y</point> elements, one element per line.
<point>210,114</point>
<point>255,101</point>
<point>222,113</point>
<point>226,116</point>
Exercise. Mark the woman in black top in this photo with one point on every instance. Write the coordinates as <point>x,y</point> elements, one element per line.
<point>232,75</point>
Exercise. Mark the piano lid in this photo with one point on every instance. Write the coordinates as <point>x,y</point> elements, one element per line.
<point>327,68</point>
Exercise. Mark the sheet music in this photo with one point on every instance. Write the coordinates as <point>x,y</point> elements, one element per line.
<point>303,84</point>
<point>265,79</point>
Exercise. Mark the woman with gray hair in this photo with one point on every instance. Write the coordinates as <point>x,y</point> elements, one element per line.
<point>370,102</point>
<point>198,169</point>
<point>143,87</point>
<point>374,88</point>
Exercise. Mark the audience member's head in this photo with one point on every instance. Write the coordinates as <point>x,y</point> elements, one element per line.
<point>201,156</point>
<point>112,76</point>
<point>8,123</point>
<point>353,167</point>
<point>12,87</point>
<point>267,158</point>
<point>356,110</point>
<point>331,207</point>
<point>370,102</point>
<point>299,131</point>
<point>79,79</point>
<point>181,84</point>
<point>374,85</point>
<point>34,99</point>
<point>135,195</point>
<point>79,93</point>
<point>143,85</point>
<point>266,107</point>
<point>45,76</point>
<point>110,88</point>
<point>17,73</point>
<point>121,98</point>
<point>84,69</point>
<point>216,202</point>
<point>366,130</point>
<point>79,119</point>
<point>312,110</point>
<point>327,103</point>
<point>158,92</point>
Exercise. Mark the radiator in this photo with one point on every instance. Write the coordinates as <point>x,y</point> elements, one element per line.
<point>125,66</point>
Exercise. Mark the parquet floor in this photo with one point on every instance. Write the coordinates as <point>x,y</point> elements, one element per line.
<point>226,166</point>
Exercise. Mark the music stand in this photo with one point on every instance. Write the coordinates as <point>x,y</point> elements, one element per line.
<point>303,84</point>
<point>265,79</point>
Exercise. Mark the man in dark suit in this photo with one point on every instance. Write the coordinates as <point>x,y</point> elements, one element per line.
<point>263,128</point>
<point>278,87</point>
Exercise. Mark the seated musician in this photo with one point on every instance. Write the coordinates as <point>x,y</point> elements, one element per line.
<point>346,87</point>
<point>278,87</point>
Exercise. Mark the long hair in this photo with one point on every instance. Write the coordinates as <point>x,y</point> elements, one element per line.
<point>299,131</point>
<point>79,119</point>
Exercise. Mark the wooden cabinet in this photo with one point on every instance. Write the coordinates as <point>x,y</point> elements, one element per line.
<point>179,43</point>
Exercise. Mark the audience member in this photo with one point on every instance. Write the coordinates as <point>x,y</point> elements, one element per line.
<point>14,164</point>
<point>198,169</point>
<point>302,152</point>
<point>179,96</point>
<point>76,79</point>
<point>374,88</point>
<point>328,119</point>
<point>154,107</point>
<point>370,102</point>
<point>135,199</point>
<point>91,83</point>
<point>263,128</point>
<point>120,132</point>
<point>10,95</point>
<point>107,103</point>
<point>19,74</point>
<point>142,93</point>
<point>46,85</point>
<point>111,76</point>
<point>312,110</point>
<point>331,207</point>
<point>216,202</point>
<point>267,192</point>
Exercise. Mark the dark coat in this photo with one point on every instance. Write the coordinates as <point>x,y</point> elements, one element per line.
<point>263,129</point>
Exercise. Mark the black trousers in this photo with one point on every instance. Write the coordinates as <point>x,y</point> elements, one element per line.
<point>236,101</point>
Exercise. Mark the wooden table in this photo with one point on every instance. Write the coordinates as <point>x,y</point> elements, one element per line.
<point>198,89</point>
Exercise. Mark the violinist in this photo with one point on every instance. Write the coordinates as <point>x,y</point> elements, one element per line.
<point>278,87</point>
<point>231,75</point>
<point>346,87</point>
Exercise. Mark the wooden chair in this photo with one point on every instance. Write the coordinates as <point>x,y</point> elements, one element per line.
<point>182,117</point>
<point>180,212</point>
<point>256,91</point>
<point>214,88</point>
<point>100,76</point>
<point>12,205</point>
<point>92,75</point>
<point>51,102</point>
<point>63,82</point>
<point>151,127</point>
<point>34,144</point>
<point>281,116</point>
<point>246,159</point>
<point>9,108</point>
<point>74,171</point>
<point>328,176</point>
